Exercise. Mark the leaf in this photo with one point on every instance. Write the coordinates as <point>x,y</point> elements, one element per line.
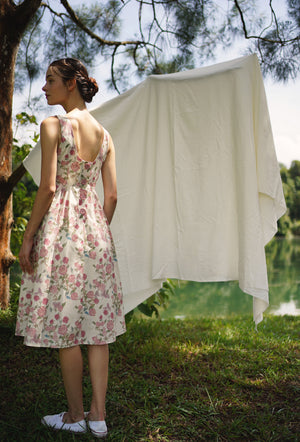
<point>145,309</point>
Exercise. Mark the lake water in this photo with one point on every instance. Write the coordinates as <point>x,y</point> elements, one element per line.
<point>194,299</point>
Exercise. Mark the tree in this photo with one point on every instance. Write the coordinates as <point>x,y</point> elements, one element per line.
<point>13,22</point>
<point>290,222</point>
<point>173,35</point>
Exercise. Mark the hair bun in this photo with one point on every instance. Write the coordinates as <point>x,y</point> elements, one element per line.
<point>93,87</point>
<point>88,87</point>
<point>94,84</point>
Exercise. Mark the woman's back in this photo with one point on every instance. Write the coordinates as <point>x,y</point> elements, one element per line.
<point>80,164</point>
<point>88,135</point>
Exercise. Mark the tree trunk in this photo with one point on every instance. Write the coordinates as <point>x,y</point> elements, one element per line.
<point>13,22</point>
<point>8,51</point>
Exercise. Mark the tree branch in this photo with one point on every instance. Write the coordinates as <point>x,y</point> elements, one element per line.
<point>16,176</point>
<point>7,185</point>
<point>25,10</point>
<point>21,15</point>
<point>102,41</point>
<point>258,37</point>
<point>58,14</point>
<point>112,72</point>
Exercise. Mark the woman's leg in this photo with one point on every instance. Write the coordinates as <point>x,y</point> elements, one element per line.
<point>98,356</point>
<point>72,368</point>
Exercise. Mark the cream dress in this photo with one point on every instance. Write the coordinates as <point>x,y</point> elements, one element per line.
<point>74,295</point>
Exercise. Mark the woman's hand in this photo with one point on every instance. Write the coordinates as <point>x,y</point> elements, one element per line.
<point>24,255</point>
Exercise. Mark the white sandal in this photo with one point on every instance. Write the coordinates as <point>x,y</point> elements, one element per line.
<point>98,428</point>
<point>55,421</point>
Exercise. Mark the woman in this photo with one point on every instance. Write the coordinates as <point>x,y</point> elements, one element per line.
<point>71,292</point>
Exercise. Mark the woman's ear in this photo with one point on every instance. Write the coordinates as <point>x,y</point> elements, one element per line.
<point>71,84</point>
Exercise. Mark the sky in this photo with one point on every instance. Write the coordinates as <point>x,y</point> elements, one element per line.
<point>284,109</point>
<point>283,103</point>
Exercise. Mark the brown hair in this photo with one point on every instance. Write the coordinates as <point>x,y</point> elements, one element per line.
<point>69,68</point>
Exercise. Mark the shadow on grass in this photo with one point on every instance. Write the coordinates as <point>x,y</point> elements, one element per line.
<point>192,380</point>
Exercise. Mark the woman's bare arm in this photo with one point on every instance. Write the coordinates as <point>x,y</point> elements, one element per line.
<point>109,179</point>
<point>50,133</point>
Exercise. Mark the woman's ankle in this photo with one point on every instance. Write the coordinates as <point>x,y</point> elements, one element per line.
<point>71,418</point>
<point>96,415</point>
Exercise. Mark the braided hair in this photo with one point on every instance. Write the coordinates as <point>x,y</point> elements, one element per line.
<point>69,68</point>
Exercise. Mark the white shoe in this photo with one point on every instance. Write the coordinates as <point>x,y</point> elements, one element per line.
<point>98,428</point>
<point>55,421</point>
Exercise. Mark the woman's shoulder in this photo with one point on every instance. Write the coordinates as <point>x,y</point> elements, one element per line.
<point>50,123</point>
<point>50,128</point>
<point>103,133</point>
<point>98,126</point>
<point>84,119</point>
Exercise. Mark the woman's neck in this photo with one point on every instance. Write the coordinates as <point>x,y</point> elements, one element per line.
<point>74,102</point>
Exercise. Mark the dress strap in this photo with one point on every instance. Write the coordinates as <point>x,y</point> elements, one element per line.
<point>66,127</point>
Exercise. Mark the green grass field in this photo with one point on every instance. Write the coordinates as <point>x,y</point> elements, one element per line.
<point>191,380</point>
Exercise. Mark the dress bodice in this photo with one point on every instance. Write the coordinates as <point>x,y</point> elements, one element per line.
<point>71,169</point>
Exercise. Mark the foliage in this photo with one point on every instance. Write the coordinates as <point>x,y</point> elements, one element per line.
<point>23,197</point>
<point>159,300</point>
<point>166,36</point>
<point>290,222</point>
<point>25,190</point>
<point>295,228</point>
<point>282,61</point>
<point>41,44</point>
<point>188,381</point>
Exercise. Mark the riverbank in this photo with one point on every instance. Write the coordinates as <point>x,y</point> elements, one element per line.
<point>191,380</point>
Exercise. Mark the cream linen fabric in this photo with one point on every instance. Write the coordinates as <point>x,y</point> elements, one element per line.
<point>199,188</point>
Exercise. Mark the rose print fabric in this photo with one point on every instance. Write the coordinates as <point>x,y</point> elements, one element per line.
<point>74,295</point>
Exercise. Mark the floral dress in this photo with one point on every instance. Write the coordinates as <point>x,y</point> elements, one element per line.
<point>74,295</point>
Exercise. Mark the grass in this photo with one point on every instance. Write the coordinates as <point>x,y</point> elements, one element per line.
<point>192,380</point>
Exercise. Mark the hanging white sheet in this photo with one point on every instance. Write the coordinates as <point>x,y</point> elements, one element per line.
<point>199,188</point>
